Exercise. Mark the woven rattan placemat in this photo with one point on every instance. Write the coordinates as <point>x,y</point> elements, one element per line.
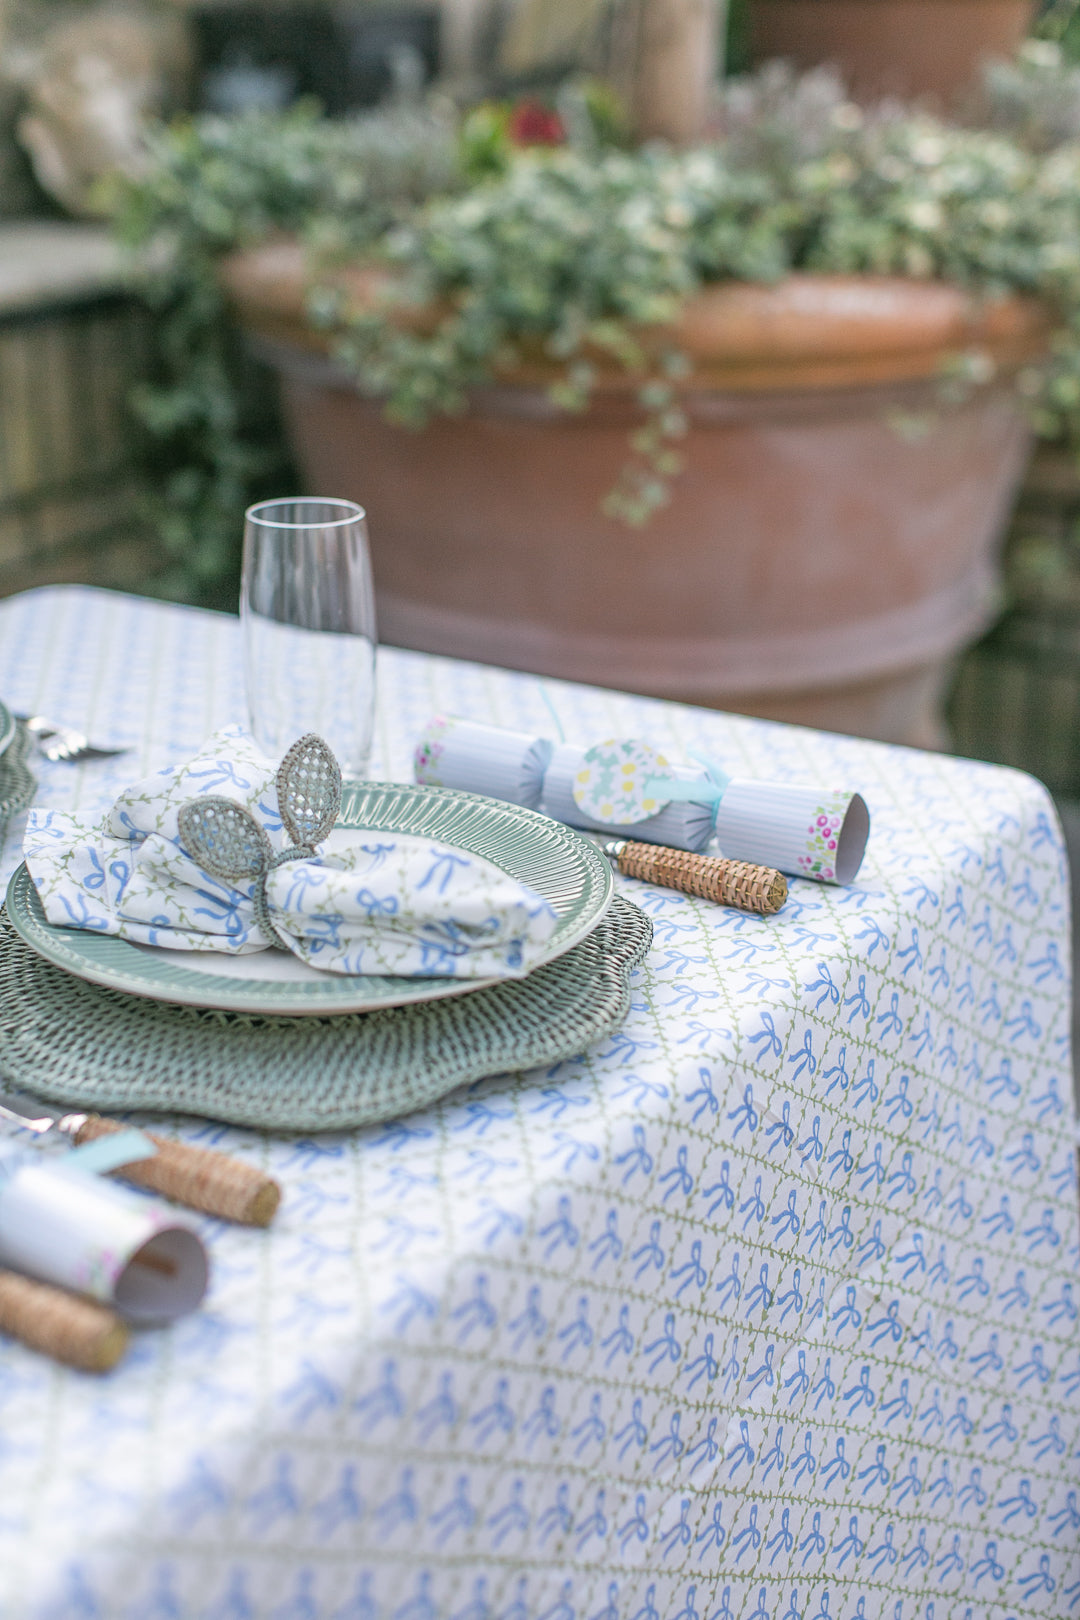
<point>17,782</point>
<point>89,1047</point>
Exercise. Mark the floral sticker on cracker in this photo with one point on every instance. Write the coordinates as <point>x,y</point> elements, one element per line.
<point>621,782</point>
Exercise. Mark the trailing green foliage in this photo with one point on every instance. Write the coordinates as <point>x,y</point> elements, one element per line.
<point>212,186</point>
<point>572,249</point>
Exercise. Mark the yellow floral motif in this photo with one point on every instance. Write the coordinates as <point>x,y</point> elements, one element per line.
<point>614,786</point>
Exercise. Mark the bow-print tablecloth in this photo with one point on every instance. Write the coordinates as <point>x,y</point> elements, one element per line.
<point>766,1309</point>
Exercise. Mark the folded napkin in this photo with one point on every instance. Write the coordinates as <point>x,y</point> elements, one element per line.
<point>363,902</point>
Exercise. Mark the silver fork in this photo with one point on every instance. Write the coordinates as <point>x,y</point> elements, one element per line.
<point>64,743</point>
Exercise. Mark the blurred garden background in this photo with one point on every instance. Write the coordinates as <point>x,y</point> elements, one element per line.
<point>726,353</point>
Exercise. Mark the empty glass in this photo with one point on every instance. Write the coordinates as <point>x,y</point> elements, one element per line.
<point>307,610</point>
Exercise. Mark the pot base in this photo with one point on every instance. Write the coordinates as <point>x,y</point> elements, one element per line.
<point>902,706</point>
<point>717,671</point>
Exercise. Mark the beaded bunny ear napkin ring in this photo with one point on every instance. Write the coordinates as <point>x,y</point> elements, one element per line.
<point>228,843</point>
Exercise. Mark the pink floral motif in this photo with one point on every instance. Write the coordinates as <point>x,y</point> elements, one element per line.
<point>822,837</point>
<point>429,750</point>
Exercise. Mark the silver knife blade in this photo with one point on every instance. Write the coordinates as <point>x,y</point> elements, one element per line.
<point>611,847</point>
<point>34,1115</point>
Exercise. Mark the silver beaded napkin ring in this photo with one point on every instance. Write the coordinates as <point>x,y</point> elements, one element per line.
<point>225,839</point>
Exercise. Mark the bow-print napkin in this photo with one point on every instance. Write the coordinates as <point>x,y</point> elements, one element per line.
<point>366,902</point>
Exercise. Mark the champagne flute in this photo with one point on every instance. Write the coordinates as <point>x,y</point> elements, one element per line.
<point>307,611</point>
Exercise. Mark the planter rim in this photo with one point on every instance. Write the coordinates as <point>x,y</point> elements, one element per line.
<point>805,332</point>
<point>705,400</point>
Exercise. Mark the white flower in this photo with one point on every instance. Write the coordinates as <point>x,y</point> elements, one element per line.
<point>1041,53</point>
<point>847,116</point>
<point>636,215</point>
<point>1002,159</point>
<point>924,214</point>
<point>928,149</point>
<point>978,366</point>
<point>700,169</point>
<point>1060,174</point>
<point>1059,255</point>
<point>472,210</point>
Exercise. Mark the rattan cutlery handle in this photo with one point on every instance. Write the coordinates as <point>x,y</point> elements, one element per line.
<point>711,877</point>
<point>79,1332</point>
<point>198,1177</point>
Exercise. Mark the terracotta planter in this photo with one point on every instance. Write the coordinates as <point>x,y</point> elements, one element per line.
<point>829,549</point>
<point>892,47</point>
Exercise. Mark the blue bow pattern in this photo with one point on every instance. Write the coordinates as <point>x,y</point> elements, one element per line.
<point>766,1309</point>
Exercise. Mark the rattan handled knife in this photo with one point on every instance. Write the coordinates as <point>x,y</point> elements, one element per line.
<point>759,889</point>
<point>80,1332</point>
<point>198,1177</point>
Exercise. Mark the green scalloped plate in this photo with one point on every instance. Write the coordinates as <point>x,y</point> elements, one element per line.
<point>7,726</point>
<point>554,860</point>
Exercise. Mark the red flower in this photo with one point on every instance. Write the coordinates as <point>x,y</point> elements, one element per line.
<point>533,124</point>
